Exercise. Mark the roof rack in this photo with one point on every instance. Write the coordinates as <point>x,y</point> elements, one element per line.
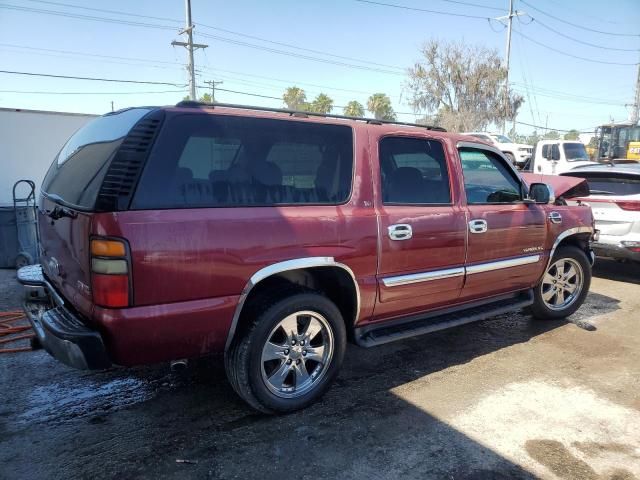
<point>302,114</point>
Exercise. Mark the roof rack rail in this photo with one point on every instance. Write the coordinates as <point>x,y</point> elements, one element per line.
<point>303,114</point>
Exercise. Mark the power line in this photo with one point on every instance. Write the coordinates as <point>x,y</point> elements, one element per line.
<point>577,40</point>
<point>94,79</point>
<point>254,37</point>
<point>39,92</point>
<point>571,55</point>
<point>416,9</point>
<point>578,25</point>
<point>550,128</point>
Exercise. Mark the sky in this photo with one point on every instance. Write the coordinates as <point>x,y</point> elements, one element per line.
<point>347,49</point>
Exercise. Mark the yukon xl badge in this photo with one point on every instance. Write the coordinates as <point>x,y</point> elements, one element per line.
<point>532,249</point>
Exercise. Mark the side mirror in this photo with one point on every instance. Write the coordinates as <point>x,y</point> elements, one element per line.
<point>541,193</point>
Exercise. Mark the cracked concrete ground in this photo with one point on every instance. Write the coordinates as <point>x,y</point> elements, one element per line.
<point>504,398</point>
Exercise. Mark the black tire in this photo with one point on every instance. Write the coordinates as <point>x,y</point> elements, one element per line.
<point>541,309</point>
<point>243,361</point>
<point>511,158</point>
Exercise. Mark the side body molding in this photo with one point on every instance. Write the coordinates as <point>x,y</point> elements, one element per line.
<point>295,264</point>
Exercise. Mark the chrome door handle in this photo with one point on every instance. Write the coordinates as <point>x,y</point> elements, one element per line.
<point>478,226</point>
<point>555,217</point>
<point>400,231</point>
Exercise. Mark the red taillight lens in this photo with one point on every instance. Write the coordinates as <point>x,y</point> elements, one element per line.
<point>633,205</point>
<point>110,270</point>
<point>110,291</point>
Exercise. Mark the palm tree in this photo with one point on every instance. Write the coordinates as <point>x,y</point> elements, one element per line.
<point>354,109</point>
<point>322,104</point>
<point>380,105</point>
<point>294,98</point>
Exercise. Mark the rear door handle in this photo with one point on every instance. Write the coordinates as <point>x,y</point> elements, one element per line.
<point>478,226</point>
<point>400,231</point>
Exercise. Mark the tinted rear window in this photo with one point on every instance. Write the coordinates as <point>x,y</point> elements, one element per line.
<point>78,170</point>
<point>215,161</point>
<point>607,184</point>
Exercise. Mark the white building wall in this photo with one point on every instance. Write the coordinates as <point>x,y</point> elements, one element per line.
<point>29,140</point>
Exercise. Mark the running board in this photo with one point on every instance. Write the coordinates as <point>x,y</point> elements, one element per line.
<point>385,332</point>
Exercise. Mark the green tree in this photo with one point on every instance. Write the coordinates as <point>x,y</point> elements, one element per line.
<point>533,138</point>
<point>354,109</point>
<point>321,104</point>
<point>380,105</point>
<point>294,98</point>
<point>572,134</point>
<point>206,98</point>
<point>551,135</point>
<point>461,86</point>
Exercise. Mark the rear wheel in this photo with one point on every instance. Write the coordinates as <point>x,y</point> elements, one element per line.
<point>564,285</point>
<point>289,354</point>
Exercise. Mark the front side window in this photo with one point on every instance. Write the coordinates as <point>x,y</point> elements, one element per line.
<point>413,171</point>
<point>487,179</point>
<point>226,161</point>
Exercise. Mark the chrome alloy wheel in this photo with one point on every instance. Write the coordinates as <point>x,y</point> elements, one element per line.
<point>297,354</point>
<point>562,284</point>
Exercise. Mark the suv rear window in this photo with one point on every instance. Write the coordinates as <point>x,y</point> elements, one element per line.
<point>208,160</point>
<point>78,170</point>
<point>602,183</point>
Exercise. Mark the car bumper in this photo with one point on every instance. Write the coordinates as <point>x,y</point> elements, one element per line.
<point>614,250</point>
<point>61,332</point>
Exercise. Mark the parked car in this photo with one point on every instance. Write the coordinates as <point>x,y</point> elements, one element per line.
<point>517,153</point>
<point>273,236</point>
<point>615,202</point>
<point>554,157</point>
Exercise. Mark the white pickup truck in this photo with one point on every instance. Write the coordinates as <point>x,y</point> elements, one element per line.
<point>517,153</point>
<point>553,157</point>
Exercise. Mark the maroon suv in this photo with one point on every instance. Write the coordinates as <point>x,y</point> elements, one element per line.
<point>273,237</point>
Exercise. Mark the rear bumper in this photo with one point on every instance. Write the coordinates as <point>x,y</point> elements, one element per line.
<point>614,250</point>
<point>59,330</point>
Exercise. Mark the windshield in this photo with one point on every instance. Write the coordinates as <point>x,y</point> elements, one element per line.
<point>574,152</point>
<point>502,139</point>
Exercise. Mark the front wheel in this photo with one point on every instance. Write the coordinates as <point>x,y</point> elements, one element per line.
<point>289,354</point>
<point>564,285</point>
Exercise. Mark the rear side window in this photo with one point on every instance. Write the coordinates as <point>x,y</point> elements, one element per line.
<point>487,179</point>
<point>77,172</point>
<point>225,161</point>
<point>413,171</point>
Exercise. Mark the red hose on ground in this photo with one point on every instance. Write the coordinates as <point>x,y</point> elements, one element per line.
<point>9,331</point>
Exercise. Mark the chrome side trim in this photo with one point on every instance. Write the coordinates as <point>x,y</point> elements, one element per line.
<point>422,277</point>
<point>296,264</point>
<point>500,264</point>
<point>565,234</point>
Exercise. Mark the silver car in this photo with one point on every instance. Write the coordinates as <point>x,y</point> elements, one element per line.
<point>615,202</point>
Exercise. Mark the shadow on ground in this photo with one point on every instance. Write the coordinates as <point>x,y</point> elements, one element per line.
<point>135,423</point>
<point>621,272</point>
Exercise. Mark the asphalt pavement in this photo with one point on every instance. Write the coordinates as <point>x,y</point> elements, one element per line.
<point>504,398</point>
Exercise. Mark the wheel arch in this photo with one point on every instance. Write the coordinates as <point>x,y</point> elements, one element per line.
<point>578,237</point>
<point>334,279</point>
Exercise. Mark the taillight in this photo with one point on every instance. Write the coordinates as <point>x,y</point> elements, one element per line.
<point>629,205</point>
<point>110,272</point>
<point>631,245</point>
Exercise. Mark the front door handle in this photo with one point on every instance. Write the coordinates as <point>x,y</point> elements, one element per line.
<point>478,226</point>
<point>555,217</point>
<point>400,231</point>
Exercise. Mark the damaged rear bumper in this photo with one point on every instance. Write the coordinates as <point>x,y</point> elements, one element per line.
<point>60,331</point>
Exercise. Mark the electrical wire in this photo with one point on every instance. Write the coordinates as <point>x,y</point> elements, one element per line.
<point>570,54</point>
<point>95,79</point>
<point>578,25</point>
<point>416,9</point>
<point>39,92</point>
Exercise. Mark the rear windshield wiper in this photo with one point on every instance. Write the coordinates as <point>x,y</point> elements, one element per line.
<point>59,212</point>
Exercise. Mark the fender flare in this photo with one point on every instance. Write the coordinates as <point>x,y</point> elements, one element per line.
<point>287,265</point>
<point>565,234</point>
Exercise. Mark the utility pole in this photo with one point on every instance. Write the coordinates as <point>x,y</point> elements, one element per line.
<point>507,55</point>
<point>212,84</point>
<point>635,113</point>
<point>190,46</point>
